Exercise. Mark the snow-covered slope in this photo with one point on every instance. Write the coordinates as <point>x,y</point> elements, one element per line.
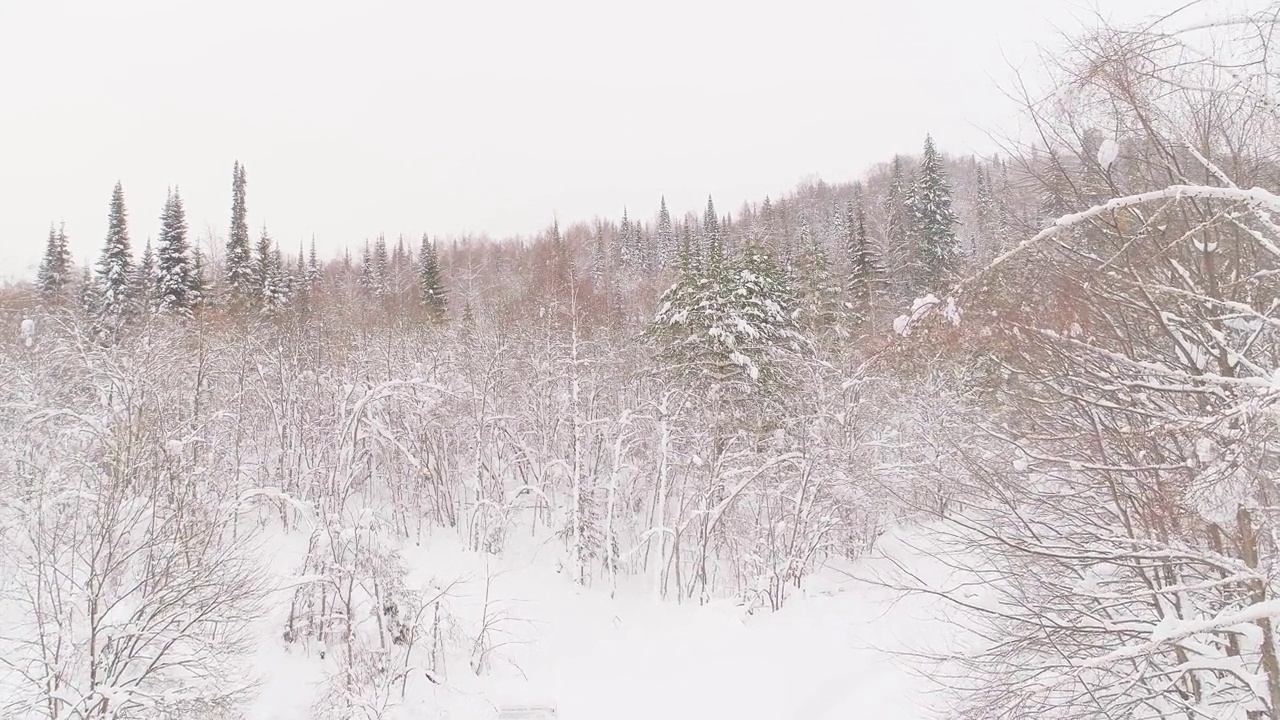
<point>829,653</point>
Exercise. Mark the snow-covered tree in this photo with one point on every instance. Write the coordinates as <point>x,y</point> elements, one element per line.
<point>115,275</point>
<point>241,282</point>
<point>54,275</point>
<point>431,283</point>
<point>866,277</point>
<point>176,285</point>
<point>933,224</point>
<point>666,244</point>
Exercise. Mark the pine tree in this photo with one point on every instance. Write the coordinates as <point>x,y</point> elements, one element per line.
<point>115,266</point>
<point>381,272</point>
<point>313,265</point>
<point>431,284</point>
<point>365,279</point>
<point>199,281</point>
<point>629,245</point>
<point>667,246</point>
<point>934,222</point>
<point>729,328</point>
<point>899,213</point>
<point>689,261</point>
<point>712,237</point>
<point>269,275</point>
<point>54,275</point>
<point>242,285</point>
<point>866,271</point>
<point>819,295</point>
<point>87,294</point>
<point>175,275</point>
<point>144,282</point>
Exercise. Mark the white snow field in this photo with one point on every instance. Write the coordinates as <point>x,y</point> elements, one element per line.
<point>831,652</point>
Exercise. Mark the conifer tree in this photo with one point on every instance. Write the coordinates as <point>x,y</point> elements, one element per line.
<point>313,265</point>
<point>199,281</point>
<point>819,294</point>
<point>689,261</point>
<point>899,213</point>
<point>712,237</point>
<point>728,329</point>
<point>115,266</point>
<point>269,275</point>
<point>431,284</point>
<point>144,282</point>
<point>242,284</point>
<point>627,240</point>
<point>381,266</point>
<point>934,222</point>
<point>175,275</point>
<point>87,294</point>
<point>667,246</point>
<point>365,280</point>
<point>54,275</point>
<point>866,271</point>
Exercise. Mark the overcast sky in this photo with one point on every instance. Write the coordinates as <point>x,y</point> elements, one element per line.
<point>405,116</point>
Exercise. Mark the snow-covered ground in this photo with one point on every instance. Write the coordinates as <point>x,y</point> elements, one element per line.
<point>831,652</point>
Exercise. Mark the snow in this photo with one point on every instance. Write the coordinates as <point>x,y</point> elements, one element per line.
<point>1108,152</point>
<point>826,654</point>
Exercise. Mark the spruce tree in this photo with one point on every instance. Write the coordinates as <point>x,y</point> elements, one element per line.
<point>242,285</point>
<point>688,251</point>
<point>667,246</point>
<point>728,329</point>
<point>144,282</point>
<point>365,280</point>
<point>381,268</point>
<point>87,294</point>
<point>430,282</point>
<point>199,282</point>
<point>933,226</point>
<point>54,275</point>
<point>629,247</point>
<point>176,285</point>
<point>115,266</point>
<point>313,265</point>
<point>866,271</point>
<point>712,237</point>
<point>268,275</point>
<point>819,295</point>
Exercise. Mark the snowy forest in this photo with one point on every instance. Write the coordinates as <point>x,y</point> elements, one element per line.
<point>1050,370</point>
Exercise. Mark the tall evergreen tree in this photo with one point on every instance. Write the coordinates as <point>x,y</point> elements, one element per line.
<point>899,214</point>
<point>667,245</point>
<point>819,294</point>
<point>689,260</point>
<point>54,275</point>
<point>629,247</point>
<point>430,282</point>
<point>866,271</point>
<point>144,282</point>
<point>934,222</point>
<point>175,275</point>
<point>242,285</point>
<point>365,280</point>
<point>313,265</point>
<point>199,280</point>
<point>712,236</point>
<point>269,275</point>
<point>381,268</point>
<point>115,265</point>
<point>87,294</point>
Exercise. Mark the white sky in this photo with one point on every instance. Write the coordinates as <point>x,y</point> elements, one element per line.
<point>355,118</point>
